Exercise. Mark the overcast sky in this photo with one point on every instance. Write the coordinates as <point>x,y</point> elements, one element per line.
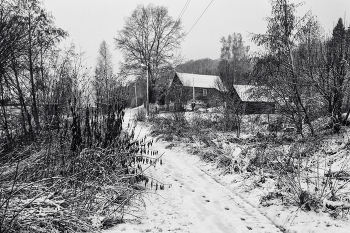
<point>89,22</point>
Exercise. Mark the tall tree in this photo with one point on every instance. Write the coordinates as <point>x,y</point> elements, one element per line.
<point>40,31</point>
<point>234,65</point>
<point>233,68</point>
<point>324,62</point>
<point>149,37</point>
<point>278,65</point>
<point>28,35</point>
<point>103,74</point>
<point>11,34</point>
<point>338,65</point>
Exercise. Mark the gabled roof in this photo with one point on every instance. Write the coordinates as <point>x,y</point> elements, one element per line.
<point>199,80</point>
<point>250,93</point>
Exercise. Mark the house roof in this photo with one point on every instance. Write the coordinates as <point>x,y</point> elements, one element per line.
<point>250,93</point>
<point>199,80</point>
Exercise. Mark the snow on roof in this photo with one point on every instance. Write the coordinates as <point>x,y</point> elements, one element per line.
<point>199,80</point>
<point>250,93</point>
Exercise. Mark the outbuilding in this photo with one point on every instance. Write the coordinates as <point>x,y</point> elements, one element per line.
<point>253,99</point>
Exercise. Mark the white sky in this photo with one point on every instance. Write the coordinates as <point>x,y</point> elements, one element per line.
<point>89,22</point>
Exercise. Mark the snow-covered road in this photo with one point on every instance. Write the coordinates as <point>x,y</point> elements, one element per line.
<point>195,202</point>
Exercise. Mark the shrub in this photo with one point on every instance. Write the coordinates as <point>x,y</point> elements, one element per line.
<point>176,125</point>
<point>66,190</point>
<point>304,177</point>
<point>140,115</point>
<point>75,182</point>
<point>199,122</point>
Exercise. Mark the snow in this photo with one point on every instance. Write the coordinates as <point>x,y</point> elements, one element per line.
<point>202,199</point>
<point>195,202</point>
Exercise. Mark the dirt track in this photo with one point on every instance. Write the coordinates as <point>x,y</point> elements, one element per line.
<point>195,202</point>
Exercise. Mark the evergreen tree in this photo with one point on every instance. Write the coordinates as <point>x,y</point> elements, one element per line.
<point>104,75</point>
<point>337,66</point>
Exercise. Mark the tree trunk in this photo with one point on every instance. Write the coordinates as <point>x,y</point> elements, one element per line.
<point>299,104</point>
<point>4,113</point>
<point>24,109</point>
<point>35,111</point>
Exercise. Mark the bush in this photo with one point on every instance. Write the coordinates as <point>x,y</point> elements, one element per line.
<point>71,182</point>
<point>199,121</point>
<point>304,177</point>
<point>66,190</point>
<point>176,125</point>
<point>140,115</point>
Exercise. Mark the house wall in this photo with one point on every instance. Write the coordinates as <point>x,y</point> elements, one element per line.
<point>259,107</point>
<point>178,93</point>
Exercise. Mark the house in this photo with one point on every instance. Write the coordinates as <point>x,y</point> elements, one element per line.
<point>208,89</point>
<point>253,100</point>
<point>185,87</point>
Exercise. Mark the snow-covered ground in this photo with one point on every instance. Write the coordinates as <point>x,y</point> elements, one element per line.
<point>201,199</point>
<point>291,218</point>
<point>192,200</point>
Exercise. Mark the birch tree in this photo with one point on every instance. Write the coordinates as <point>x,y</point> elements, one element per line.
<point>281,40</point>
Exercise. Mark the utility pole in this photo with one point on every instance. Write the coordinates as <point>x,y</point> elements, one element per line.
<point>135,94</point>
<point>147,103</point>
<point>194,95</point>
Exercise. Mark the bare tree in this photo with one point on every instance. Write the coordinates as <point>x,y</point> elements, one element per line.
<point>40,32</point>
<point>149,37</point>
<point>234,66</point>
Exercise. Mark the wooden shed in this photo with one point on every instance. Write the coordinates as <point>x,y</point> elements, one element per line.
<point>254,102</point>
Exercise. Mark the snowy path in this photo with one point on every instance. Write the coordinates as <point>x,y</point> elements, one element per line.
<point>194,203</point>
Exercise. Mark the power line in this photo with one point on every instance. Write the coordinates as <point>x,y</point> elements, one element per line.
<point>183,10</point>
<point>181,13</point>
<point>198,18</point>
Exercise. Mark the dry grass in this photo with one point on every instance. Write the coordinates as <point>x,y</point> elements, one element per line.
<point>47,188</point>
<point>301,167</point>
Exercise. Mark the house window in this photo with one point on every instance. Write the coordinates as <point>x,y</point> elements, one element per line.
<point>205,92</point>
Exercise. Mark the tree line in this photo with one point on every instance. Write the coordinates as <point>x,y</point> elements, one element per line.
<point>306,72</point>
